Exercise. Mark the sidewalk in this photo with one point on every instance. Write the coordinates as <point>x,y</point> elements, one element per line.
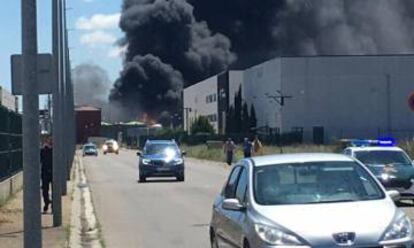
<point>11,224</point>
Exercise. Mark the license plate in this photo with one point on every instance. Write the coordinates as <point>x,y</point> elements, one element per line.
<point>163,169</point>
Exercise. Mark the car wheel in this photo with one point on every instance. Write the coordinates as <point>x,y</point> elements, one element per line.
<point>142,179</point>
<point>181,178</point>
<point>104,153</point>
<point>214,243</point>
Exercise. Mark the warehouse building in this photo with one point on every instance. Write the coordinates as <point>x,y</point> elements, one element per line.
<point>331,97</point>
<point>88,123</point>
<point>211,98</point>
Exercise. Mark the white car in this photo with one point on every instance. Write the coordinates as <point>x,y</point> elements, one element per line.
<point>110,146</point>
<point>391,165</point>
<point>306,200</point>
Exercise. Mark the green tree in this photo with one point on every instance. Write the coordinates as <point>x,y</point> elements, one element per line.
<point>230,121</point>
<point>238,101</point>
<point>253,118</point>
<point>202,125</point>
<point>245,123</point>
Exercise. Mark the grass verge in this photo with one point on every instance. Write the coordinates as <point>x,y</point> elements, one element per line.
<point>217,154</point>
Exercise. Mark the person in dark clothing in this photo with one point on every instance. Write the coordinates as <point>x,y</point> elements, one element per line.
<point>46,161</point>
<point>229,148</point>
<point>247,148</point>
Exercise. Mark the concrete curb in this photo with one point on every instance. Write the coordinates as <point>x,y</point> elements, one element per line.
<point>84,225</point>
<point>10,187</point>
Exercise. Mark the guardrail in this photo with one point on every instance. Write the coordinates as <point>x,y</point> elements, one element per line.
<point>11,154</point>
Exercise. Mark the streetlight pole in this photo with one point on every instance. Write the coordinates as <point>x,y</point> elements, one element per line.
<point>31,137</point>
<point>57,119</point>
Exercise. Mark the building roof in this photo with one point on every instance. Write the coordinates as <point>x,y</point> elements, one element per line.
<point>299,158</point>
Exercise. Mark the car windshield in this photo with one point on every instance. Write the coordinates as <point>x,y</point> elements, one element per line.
<point>314,182</point>
<point>382,157</point>
<point>89,147</point>
<point>161,149</point>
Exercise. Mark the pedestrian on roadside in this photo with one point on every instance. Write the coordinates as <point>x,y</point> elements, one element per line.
<point>229,148</point>
<point>257,146</point>
<point>46,161</point>
<point>247,148</point>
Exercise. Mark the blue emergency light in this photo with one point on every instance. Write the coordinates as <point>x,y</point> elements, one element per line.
<point>383,142</point>
<point>386,142</point>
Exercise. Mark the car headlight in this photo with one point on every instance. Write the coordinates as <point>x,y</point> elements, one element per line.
<point>178,161</point>
<point>386,176</point>
<point>400,228</point>
<point>115,146</point>
<point>146,161</point>
<point>274,236</point>
<point>105,147</point>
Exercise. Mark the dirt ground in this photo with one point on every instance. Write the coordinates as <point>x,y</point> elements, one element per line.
<point>11,224</point>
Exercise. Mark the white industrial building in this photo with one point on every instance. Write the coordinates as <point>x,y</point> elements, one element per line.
<point>8,100</point>
<point>334,96</point>
<point>211,98</point>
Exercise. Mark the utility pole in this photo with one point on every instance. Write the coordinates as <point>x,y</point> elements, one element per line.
<point>280,100</point>
<point>61,42</point>
<point>31,137</point>
<point>57,137</point>
<point>388,89</point>
<point>67,108</point>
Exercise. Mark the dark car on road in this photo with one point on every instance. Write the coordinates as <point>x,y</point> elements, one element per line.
<point>161,158</point>
<point>89,150</point>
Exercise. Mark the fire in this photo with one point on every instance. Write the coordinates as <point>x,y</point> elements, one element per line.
<point>147,119</point>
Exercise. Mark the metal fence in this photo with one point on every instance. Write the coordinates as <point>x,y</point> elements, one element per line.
<point>11,157</point>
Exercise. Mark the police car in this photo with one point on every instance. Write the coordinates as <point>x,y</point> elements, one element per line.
<point>390,164</point>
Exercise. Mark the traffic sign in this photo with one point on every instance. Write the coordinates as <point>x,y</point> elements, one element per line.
<point>45,76</point>
<point>411,101</point>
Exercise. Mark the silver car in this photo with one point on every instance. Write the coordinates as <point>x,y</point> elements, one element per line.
<point>306,200</point>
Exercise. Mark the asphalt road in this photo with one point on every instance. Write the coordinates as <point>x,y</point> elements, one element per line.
<point>159,213</point>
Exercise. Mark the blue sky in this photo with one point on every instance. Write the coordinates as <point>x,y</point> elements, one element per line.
<point>93,31</point>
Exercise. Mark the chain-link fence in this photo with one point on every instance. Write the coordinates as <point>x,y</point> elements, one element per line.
<point>11,157</point>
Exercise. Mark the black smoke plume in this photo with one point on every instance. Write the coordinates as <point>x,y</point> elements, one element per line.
<point>331,27</point>
<point>199,38</point>
<point>91,85</point>
<point>91,88</point>
<point>167,49</point>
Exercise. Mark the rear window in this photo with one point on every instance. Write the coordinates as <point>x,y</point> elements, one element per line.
<point>313,183</point>
<point>382,157</point>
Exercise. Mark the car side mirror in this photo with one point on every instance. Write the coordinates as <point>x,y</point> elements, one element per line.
<point>394,195</point>
<point>139,153</point>
<point>233,204</point>
<point>184,153</point>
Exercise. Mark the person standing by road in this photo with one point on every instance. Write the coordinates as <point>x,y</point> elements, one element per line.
<point>229,148</point>
<point>46,161</point>
<point>247,148</point>
<point>257,146</point>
